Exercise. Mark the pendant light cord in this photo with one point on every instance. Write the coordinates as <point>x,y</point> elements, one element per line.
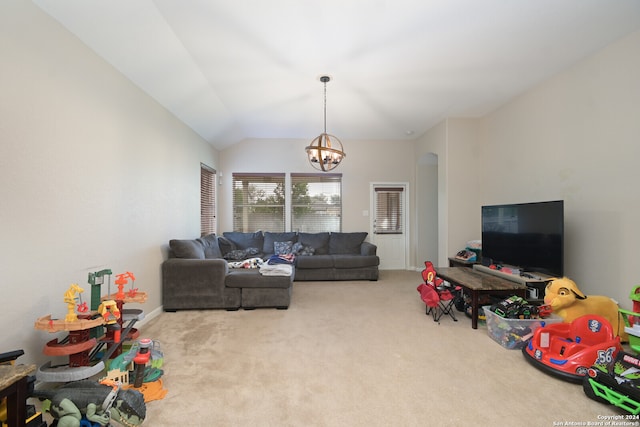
<point>325,106</point>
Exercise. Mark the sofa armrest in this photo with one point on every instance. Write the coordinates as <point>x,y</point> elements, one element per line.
<point>368,248</point>
<point>181,277</point>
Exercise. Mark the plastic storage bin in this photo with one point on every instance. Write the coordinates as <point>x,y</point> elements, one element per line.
<point>513,334</point>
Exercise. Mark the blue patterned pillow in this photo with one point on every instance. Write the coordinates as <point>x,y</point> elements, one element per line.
<point>282,248</point>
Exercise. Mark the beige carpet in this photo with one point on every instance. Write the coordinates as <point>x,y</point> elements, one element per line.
<point>351,354</point>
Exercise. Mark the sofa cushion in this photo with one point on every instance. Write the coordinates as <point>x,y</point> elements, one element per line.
<point>241,240</point>
<point>189,249</point>
<point>318,241</point>
<point>211,248</point>
<point>251,278</point>
<point>271,238</point>
<point>355,261</point>
<point>314,261</point>
<point>346,243</point>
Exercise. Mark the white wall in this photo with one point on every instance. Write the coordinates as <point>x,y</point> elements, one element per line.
<point>426,211</point>
<point>365,162</point>
<point>455,143</point>
<point>575,137</point>
<point>93,173</point>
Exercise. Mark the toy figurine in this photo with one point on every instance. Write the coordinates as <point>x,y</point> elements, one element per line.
<point>70,300</point>
<point>567,301</point>
<point>99,403</point>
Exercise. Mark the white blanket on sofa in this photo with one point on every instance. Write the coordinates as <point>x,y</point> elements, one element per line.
<point>276,269</point>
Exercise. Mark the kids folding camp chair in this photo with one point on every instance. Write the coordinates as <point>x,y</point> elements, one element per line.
<point>438,298</point>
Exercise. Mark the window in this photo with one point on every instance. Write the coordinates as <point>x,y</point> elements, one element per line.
<point>316,202</point>
<point>389,218</point>
<point>258,202</point>
<point>207,200</point>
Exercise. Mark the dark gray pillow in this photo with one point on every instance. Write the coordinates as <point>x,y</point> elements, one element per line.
<point>211,247</point>
<point>271,238</point>
<point>346,243</point>
<point>225,245</point>
<point>190,249</point>
<point>245,240</point>
<point>318,241</point>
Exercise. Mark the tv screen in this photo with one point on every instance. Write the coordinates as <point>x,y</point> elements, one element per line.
<point>525,235</point>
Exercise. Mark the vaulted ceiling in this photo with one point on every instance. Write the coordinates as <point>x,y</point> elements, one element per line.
<point>236,69</point>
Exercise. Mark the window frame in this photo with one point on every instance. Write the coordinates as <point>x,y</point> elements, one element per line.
<point>391,210</point>
<point>249,219</point>
<point>208,217</point>
<point>317,178</point>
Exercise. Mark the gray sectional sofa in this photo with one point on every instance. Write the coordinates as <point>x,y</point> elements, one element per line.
<point>197,274</point>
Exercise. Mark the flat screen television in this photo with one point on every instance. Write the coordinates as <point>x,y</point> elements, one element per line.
<point>525,235</point>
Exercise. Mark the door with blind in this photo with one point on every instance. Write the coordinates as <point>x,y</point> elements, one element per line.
<point>389,224</point>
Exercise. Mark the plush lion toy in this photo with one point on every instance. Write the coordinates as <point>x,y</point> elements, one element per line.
<point>568,302</point>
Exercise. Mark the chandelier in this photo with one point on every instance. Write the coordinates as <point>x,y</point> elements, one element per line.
<point>325,152</point>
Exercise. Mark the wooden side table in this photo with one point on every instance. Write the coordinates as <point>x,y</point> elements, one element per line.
<point>13,386</point>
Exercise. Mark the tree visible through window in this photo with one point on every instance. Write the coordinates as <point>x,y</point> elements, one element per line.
<point>316,202</point>
<point>207,200</point>
<point>262,201</point>
<point>258,202</point>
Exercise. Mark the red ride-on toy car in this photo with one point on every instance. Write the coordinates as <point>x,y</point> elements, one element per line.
<point>568,350</point>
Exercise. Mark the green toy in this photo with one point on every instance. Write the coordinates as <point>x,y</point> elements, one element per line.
<point>97,402</point>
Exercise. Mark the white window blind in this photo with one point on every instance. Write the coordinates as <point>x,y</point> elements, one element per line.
<point>389,215</point>
<point>258,202</point>
<point>316,202</point>
<point>207,200</point>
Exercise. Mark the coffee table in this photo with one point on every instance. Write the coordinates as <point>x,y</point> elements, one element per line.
<point>13,386</point>
<point>477,283</point>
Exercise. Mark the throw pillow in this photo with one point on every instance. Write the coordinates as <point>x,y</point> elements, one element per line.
<point>270,238</point>
<point>241,254</point>
<point>300,249</point>
<point>225,245</point>
<point>318,241</point>
<point>211,247</point>
<point>282,248</point>
<point>190,249</point>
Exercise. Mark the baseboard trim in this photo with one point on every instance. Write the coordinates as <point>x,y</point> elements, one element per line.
<point>148,317</point>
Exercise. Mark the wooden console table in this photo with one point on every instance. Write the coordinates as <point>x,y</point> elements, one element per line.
<point>478,283</point>
<point>13,386</point>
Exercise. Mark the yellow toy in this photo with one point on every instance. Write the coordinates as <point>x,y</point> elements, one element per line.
<point>109,311</point>
<point>568,302</point>
<point>70,300</point>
